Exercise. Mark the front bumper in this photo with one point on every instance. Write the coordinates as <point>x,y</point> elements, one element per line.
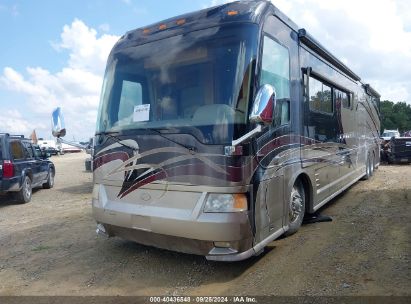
<point>175,222</point>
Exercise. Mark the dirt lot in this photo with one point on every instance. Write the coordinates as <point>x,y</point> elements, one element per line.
<point>49,247</point>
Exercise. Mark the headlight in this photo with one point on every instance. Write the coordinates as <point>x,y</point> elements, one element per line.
<point>226,203</point>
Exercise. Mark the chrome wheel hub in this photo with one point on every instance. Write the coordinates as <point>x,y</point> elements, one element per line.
<point>27,189</point>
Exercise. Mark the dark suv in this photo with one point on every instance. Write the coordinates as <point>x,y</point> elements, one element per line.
<point>23,166</point>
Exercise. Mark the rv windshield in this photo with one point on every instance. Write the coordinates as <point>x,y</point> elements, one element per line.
<point>196,82</point>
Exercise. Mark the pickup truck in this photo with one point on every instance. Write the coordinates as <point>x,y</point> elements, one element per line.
<point>399,150</point>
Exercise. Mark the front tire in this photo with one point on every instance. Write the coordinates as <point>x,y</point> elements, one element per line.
<point>296,208</point>
<point>24,195</point>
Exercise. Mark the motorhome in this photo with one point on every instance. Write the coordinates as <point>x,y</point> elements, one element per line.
<point>219,129</point>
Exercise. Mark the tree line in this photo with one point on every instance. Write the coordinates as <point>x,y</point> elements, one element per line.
<point>395,116</point>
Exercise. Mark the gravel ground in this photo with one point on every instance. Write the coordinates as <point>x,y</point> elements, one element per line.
<point>49,247</point>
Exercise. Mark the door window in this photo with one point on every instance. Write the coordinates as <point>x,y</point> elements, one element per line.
<point>275,70</point>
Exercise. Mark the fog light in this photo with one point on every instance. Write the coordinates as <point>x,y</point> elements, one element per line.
<point>222,244</point>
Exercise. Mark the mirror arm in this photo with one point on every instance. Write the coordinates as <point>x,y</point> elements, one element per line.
<point>250,134</point>
<point>61,140</point>
<point>231,150</point>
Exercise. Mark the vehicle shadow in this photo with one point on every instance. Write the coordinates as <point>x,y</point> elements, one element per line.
<point>198,267</point>
<point>9,199</point>
<point>84,188</point>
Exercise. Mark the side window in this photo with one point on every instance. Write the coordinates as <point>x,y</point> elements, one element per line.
<point>342,98</point>
<point>16,150</point>
<point>37,151</point>
<point>320,97</point>
<point>131,96</point>
<point>28,151</point>
<point>275,70</point>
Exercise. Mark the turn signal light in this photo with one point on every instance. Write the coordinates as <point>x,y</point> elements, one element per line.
<point>232,13</point>
<point>240,202</point>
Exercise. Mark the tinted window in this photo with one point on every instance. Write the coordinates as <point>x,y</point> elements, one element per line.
<point>342,98</point>
<point>27,150</point>
<point>320,97</point>
<point>275,69</point>
<point>16,150</point>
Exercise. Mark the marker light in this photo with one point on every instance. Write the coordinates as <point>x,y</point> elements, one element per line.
<point>232,13</point>
<point>181,21</point>
<point>146,31</point>
<point>162,27</point>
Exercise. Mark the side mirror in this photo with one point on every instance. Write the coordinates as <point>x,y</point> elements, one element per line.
<point>44,154</point>
<point>264,104</point>
<point>58,128</point>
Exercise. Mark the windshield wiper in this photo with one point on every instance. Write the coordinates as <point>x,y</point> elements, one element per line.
<point>115,135</point>
<point>190,149</point>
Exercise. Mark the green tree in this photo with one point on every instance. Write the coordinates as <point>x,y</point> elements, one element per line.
<point>395,116</point>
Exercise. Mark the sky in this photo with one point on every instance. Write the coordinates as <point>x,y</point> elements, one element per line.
<point>53,53</point>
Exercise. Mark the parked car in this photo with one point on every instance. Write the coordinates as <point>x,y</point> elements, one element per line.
<point>23,166</point>
<point>387,134</point>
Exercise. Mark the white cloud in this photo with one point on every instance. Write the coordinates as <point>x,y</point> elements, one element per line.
<point>86,50</point>
<point>372,37</point>
<point>105,27</point>
<point>13,122</point>
<point>76,88</point>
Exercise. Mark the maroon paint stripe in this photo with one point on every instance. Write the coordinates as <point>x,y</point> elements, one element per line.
<point>106,158</point>
<point>235,174</point>
<point>158,176</point>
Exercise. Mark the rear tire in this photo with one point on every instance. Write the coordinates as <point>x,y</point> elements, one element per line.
<point>296,208</point>
<point>24,195</point>
<point>368,170</point>
<point>50,180</point>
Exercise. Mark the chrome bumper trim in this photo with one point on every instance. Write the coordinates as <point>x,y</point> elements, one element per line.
<point>256,250</point>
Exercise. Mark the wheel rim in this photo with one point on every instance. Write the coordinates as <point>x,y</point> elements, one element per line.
<point>296,205</point>
<point>27,188</point>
